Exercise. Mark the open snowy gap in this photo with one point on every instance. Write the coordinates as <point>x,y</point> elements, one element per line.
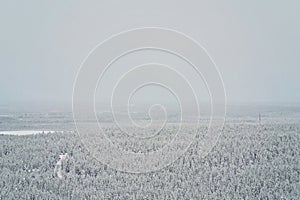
<point>28,132</point>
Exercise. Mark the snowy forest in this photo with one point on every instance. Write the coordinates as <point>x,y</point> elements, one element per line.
<point>250,161</point>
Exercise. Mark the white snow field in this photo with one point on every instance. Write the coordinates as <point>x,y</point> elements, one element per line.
<point>28,132</point>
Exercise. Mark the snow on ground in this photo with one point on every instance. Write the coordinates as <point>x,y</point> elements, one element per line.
<point>28,132</point>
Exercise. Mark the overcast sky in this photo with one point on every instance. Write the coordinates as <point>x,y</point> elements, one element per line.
<point>255,44</point>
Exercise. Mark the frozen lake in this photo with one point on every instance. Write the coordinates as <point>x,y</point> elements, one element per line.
<point>28,132</point>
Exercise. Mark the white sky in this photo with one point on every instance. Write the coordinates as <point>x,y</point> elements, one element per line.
<point>255,44</point>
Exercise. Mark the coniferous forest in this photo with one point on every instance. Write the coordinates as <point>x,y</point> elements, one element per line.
<point>249,161</point>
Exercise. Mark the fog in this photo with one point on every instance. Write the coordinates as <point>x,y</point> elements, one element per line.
<point>255,44</point>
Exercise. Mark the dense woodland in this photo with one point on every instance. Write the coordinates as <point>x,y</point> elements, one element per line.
<point>250,161</point>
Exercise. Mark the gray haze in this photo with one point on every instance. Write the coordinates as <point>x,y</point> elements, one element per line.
<point>255,44</point>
